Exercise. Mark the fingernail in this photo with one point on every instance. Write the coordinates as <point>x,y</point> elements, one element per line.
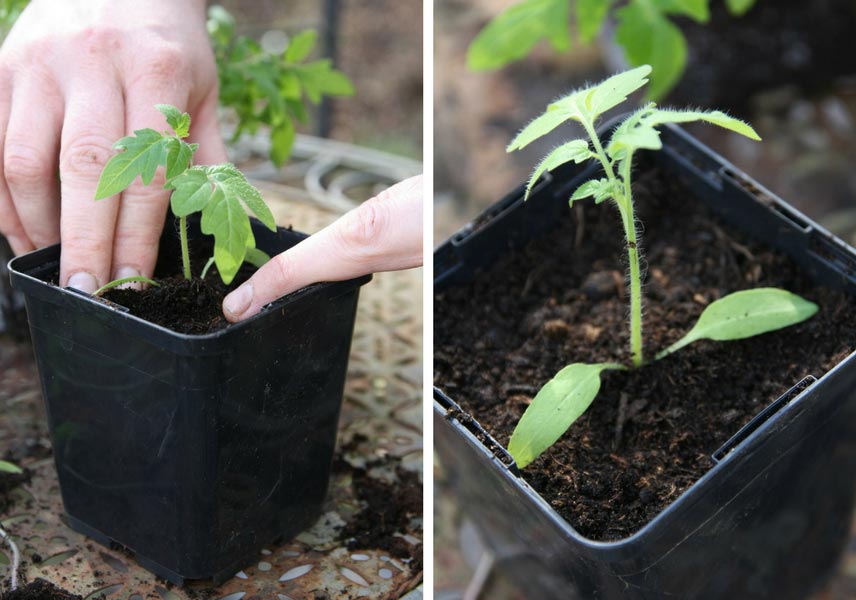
<point>239,301</point>
<point>122,273</point>
<point>85,282</point>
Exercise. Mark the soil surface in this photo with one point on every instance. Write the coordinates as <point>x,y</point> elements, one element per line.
<point>651,432</point>
<point>40,589</point>
<point>187,306</point>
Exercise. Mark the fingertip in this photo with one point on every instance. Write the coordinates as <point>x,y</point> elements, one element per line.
<point>238,305</point>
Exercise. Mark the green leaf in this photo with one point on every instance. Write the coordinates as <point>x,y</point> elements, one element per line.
<point>648,37</point>
<point>557,405</point>
<point>614,90</point>
<point>538,128</point>
<point>300,46</point>
<point>738,8</point>
<point>638,131</point>
<point>281,142</point>
<point>233,182</point>
<point>698,10</point>
<point>600,189</point>
<point>590,17</point>
<point>289,86</point>
<point>178,156</point>
<point>193,191</point>
<point>715,117</point>
<point>634,133</point>
<point>7,467</point>
<point>142,153</point>
<point>747,314</point>
<point>319,78</point>
<point>575,150</point>
<point>587,104</point>
<point>515,31</point>
<point>225,219</point>
<point>179,121</point>
<point>257,257</point>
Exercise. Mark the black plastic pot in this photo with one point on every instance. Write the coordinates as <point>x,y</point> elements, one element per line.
<point>771,516</point>
<point>192,451</point>
<point>13,317</point>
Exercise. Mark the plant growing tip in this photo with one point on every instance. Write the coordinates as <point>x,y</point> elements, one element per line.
<point>742,314</point>
<point>218,192</point>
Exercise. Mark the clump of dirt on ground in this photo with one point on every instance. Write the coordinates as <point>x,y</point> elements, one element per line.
<point>8,482</point>
<point>41,589</point>
<point>388,508</point>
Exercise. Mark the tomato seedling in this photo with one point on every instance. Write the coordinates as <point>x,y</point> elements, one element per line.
<point>218,192</point>
<point>736,316</point>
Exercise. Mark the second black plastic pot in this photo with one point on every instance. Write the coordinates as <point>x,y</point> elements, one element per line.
<point>770,518</point>
<point>192,451</point>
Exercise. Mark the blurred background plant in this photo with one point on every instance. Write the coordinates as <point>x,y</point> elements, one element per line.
<point>643,30</point>
<point>270,88</point>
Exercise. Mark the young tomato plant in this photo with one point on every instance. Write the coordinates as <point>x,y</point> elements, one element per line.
<point>736,316</point>
<point>215,191</point>
<point>263,88</point>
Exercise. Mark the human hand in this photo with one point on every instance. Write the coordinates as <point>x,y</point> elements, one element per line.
<point>382,234</point>
<point>75,75</point>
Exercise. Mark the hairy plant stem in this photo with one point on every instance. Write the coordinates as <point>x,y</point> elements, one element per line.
<point>624,201</point>
<point>185,250</point>
<point>635,271</point>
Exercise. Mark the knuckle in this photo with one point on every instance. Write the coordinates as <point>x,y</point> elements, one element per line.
<point>285,268</point>
<point>167,63</point>
<point>85,156</point>
<point>95,40</point>
<point>23,164</point>
<point>364,226</point>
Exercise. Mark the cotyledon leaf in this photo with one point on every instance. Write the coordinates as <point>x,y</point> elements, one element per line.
<point>556,406</point>
<point>746,314</point>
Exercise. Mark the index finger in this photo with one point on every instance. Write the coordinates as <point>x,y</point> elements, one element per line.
<point>94,120</point>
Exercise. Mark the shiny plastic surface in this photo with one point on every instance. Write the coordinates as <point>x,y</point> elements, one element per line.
<point>191,451</point>
<point>770,518</point>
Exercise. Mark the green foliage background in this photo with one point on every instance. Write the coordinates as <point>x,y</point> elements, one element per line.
<point>644,29</point>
